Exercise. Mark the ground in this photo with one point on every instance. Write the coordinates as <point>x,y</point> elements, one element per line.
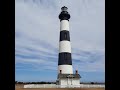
<point>20,87</point>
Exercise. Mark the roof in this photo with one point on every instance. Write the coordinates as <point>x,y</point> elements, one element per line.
<point>69,76</point>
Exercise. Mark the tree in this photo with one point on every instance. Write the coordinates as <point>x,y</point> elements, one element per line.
<point>92,82</point>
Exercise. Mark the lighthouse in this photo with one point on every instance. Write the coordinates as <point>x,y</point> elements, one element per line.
<point>65,69</point>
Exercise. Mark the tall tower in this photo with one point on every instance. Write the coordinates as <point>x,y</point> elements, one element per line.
<point>65,69</point>
<point>65,59</point>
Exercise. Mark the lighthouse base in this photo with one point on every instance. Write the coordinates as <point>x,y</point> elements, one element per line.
<point>68,79</point>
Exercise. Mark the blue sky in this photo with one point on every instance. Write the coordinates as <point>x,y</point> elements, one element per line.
<point>37,29</point>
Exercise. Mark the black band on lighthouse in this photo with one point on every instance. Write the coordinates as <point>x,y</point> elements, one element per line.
<point>65,58</point>
<point>64,35</point>
<point>64,15</point>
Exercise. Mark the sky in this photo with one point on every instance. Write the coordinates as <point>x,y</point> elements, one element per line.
<point>37,29</point>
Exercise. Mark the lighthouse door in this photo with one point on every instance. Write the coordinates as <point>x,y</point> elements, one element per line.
<point>69,81</point>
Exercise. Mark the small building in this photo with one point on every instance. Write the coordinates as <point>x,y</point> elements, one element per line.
<point>68,79</point>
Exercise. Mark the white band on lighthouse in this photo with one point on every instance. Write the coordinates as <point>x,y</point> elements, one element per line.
<point>66,69</point>
<point>64,25</point>
<point>64,46</point>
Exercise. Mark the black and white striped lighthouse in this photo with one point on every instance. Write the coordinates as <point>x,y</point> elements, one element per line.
<point>65,69</point>
<point>64,59</point>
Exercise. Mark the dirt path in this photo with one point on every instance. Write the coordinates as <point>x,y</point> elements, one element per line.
<point>60,89</point>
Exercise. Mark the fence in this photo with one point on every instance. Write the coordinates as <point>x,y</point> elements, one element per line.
<point>62,86</point>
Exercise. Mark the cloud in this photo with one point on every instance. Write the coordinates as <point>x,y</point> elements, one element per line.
<point>37,34</point>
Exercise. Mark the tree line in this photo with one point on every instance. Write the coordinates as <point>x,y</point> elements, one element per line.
<point>92,83</point>
<point>42,82</point>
